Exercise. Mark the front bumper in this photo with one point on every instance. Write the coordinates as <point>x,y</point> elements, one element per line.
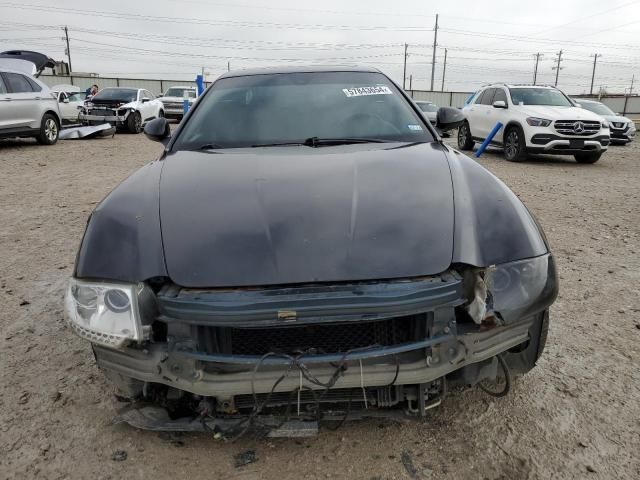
<point>118,119</point>
<point>556,144</point>
<point>195,373</point>
<point>173,110</point>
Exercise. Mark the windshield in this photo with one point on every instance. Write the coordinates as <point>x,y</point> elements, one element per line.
<point>539,96</point>
<point>260,110</point>
<point>427,107</point>
<point>77,96</point>
<point>598,108</point>
<point>179,92</point>
<point>125,95</point>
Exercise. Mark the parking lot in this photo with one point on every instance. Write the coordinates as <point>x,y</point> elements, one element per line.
<point>575,416</point>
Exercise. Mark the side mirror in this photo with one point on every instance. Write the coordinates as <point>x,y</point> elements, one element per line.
<point>499,104</point>
<point>158,130</point>
<point>145,99</point>
<point>64,100</point>
<point>449,118</point>
<point>161,95</point>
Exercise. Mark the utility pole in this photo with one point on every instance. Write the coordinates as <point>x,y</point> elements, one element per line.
<point>410,82</point>
<point>626,97</point>
<point>433,61</point>
<point>444,69</point>
<point>228,65</point>
<point>404,74</point>
<point>557,67</point>
<point>535,70</point>
<point>66,34</point>
<point>593,74</point>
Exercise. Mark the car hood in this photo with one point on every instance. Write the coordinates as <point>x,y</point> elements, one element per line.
<point>300,214</point>
<point>617,118</point>
<point>560,113</point>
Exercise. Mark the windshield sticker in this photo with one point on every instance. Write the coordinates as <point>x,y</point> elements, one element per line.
<point>415,128</point>
<point>365,91</point>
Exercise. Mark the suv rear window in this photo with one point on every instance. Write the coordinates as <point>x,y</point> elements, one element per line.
<point>17,83</point>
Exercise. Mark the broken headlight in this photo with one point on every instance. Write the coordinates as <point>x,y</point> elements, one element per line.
<point>105,313</point>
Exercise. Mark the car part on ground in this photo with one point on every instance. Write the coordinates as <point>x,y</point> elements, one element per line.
<point>250,297</point>
<point>622,129</point>
<point>124,108</point>
<point>104,130</point>
<point>536,119</point>
<point>27,108</point>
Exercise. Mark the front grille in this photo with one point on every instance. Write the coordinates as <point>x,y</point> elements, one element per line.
<point>320,338</point>
<point>580,128</point>
<point>378,396</point>
<point>619,125</point>
<point>107,112</point>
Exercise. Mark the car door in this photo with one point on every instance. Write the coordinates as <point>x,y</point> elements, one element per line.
<point>6,116</point>
<point>485,113</point>
<point>22,101</point>
<point>66,110</point>
<point>147,106</point>
<point>475,114</point>
<point>499,114</point>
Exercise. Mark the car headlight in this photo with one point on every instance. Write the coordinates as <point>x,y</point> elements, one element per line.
<point>523,287</point>
<point>538,122</point>
<point>105,313</point>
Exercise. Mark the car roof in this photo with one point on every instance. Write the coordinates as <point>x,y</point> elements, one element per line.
<point>297,69</point>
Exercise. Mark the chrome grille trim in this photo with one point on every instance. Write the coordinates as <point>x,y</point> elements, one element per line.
<point>579,128</point>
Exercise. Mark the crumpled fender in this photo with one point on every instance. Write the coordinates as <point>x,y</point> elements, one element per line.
<point>491,224</point>
<point>124,231</point>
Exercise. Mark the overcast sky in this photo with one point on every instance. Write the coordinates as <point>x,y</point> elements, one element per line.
<point>486,41</point>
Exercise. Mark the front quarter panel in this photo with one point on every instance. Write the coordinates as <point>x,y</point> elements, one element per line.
<point>492,225</point>
<point>122,240</point>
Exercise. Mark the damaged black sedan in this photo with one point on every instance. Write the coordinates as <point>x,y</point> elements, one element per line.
<point>305,249</point>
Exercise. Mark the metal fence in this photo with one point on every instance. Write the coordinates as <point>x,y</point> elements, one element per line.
<point>624,104</point>
<point>84,82</point>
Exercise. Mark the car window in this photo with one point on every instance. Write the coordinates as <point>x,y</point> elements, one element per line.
<point>34,85</point>
<point>245,111</point>
<point>478,99</point>
<point>539,96</point>
<point>77,97</point>
<point>17,83</point>
<point>62,96</point>
<point>500,95</point>
<point>487,97</point>
<point>599,108</point>
<point>3,89</point>
<point>149,95</point>
<point>427,107</point>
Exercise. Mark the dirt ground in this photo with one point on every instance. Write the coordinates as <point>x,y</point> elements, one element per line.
<point>577,415</point>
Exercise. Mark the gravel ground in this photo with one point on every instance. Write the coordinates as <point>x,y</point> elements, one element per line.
<point>577,415</point>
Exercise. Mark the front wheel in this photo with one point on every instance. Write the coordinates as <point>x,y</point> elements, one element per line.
<point>134,122</point>
<point>465,140</point>
<point>514,145</point>
<point>588,157</point>
<point>49,130</point>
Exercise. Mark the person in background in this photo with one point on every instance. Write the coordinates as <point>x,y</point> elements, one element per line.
<point>92,90</point>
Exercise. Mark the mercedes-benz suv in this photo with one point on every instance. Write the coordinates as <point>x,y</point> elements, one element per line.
<point>535,119</point>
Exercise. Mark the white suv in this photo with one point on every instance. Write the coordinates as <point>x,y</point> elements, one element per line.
<point>535,119</point>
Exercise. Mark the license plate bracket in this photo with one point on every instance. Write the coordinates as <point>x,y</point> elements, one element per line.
<point>577,143</point>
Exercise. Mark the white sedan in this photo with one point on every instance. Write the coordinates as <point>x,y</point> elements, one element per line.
<point>70,100</point>
<point>125,108</point>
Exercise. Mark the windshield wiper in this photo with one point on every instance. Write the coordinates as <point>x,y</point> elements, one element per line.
<point>281,144</point>
<point>208,146</point>
<point>320,142</point>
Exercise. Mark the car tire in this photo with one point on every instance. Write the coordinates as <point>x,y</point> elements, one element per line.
<point>465,140</point>
<point>588,157</point>
<point>523,358</point>
<point>514,144</point>
<point>49,130</point>
<point>134,122</point>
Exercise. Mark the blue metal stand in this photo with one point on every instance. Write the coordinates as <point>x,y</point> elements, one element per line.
<point>487,141</point>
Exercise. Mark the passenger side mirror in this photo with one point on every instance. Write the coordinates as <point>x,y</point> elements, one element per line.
<point>448,118</point>
<point>499,104</point>
<point>158,130</point>
<point>145,99</point>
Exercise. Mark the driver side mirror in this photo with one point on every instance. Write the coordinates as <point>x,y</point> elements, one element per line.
<point>158,130</point>
<point>449,118</point>
<point>145,99</point>
<point>499,104</point>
